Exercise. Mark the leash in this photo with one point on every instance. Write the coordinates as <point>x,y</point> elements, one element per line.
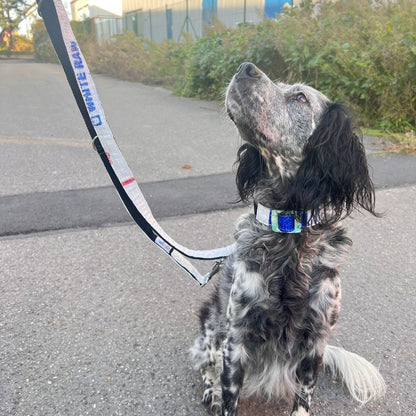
<point>86,96</point>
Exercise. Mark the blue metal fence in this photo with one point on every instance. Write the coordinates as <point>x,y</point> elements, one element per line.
<point>273,7</point>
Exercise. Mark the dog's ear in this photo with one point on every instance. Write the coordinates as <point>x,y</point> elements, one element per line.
<point>250,165</point>
<point>333,178</point>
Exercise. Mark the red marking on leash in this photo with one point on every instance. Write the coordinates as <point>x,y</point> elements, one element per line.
<point>109,158</point>
<point>128,181</point>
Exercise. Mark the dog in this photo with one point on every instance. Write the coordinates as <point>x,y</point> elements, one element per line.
<point>265,328</point>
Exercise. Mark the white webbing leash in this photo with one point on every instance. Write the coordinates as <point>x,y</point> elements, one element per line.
<point>85,93</point>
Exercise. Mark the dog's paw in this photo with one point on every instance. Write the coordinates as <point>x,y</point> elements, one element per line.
<point>212,401</point>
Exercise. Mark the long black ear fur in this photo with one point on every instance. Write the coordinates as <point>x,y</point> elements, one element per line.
<point>333,178</point>
<point>250,165</point>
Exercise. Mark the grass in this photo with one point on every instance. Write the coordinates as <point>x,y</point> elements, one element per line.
<point>397,142</point>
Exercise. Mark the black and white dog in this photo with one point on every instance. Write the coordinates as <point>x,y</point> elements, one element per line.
<point>265,328</point>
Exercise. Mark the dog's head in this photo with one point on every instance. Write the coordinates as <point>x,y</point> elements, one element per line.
<point>297,136</point>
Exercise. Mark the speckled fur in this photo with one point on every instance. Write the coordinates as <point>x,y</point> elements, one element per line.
<point>264,329</point>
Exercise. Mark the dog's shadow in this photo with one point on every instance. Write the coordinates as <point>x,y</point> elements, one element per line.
<point>258,406</point>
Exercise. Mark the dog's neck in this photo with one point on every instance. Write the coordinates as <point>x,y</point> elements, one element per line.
<point>272,192</point>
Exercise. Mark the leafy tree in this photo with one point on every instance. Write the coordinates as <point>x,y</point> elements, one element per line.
<point>12,12</point>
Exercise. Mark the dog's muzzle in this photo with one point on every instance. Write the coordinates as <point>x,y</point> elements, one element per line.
<point>245,75</point>
<point>247,70</point>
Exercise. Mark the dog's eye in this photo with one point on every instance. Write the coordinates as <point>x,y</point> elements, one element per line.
<point>301,98</point>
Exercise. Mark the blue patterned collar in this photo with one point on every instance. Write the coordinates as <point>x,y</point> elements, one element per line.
<point>283,221</point>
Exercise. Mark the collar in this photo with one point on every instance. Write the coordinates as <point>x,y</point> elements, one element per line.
<point>281,221</point>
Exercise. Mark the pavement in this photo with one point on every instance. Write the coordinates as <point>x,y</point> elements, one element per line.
<point>95,320</point>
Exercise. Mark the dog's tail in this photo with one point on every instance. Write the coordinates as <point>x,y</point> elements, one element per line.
<point>362,379</point>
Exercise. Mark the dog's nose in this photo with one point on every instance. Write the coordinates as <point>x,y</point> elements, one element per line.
<point>247,70</point>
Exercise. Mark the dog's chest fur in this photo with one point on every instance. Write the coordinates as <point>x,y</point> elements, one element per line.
<point>283,299</point>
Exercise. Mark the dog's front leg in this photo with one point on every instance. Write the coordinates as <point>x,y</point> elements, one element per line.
<point>232,376</point>
<point>307,374</point>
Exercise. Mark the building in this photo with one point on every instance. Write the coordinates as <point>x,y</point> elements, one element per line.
<point>105,15</point>
<point>88,9</point>
<point>170,19</point>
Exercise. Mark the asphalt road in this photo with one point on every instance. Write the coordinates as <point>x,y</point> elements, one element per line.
<point>94,320</point>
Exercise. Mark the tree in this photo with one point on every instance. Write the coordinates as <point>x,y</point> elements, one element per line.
<point>12,12</point>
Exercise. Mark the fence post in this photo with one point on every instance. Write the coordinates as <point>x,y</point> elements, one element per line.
<point>186,23</point>
<point>150,24</point>
<point>245,12</point>
<point>187,16</point>
<point>169,34</point>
